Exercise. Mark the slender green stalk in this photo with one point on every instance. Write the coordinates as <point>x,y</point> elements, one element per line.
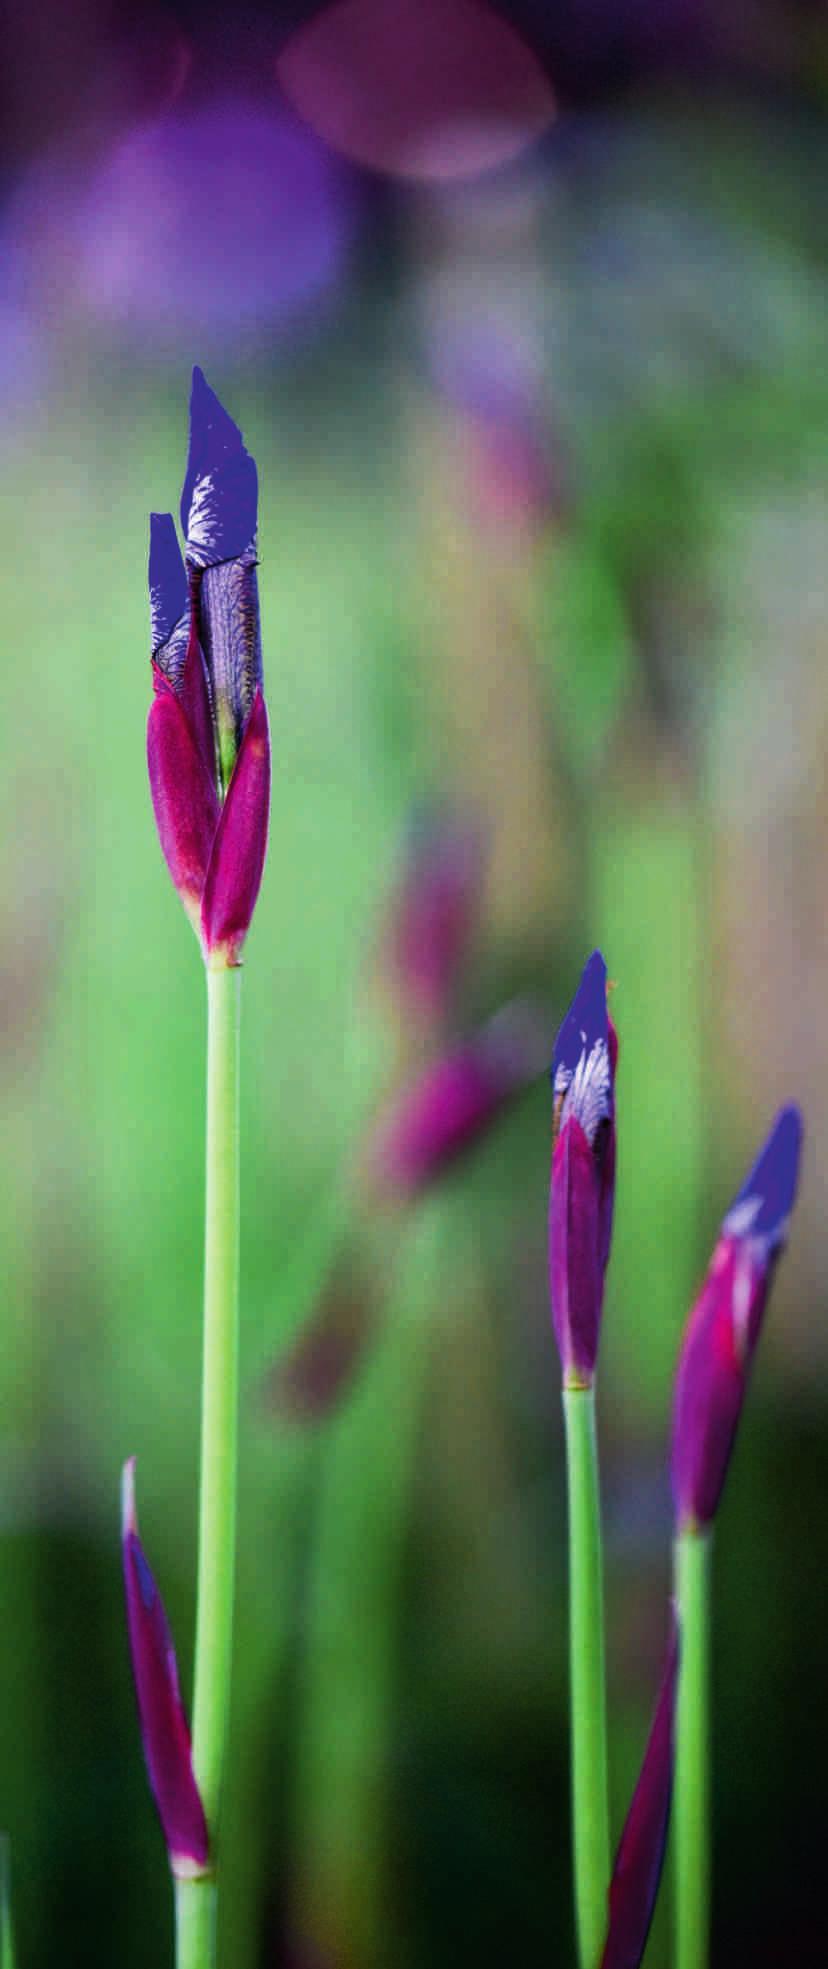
<point>195,1923</point>
<point>590,1809</point>
<point>195,1900</point>
<point>691,1803</point>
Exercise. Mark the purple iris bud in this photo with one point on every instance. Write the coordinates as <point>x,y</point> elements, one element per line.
<point>434,910</point>
<point>164,1730</point>
<point>456,1102</point>
<point>208,746</point>
<point>582,1188</point>
<point>640,1855</point>
<point>723,1328</point>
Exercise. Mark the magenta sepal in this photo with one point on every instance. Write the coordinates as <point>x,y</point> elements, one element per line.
<point>235,869</point>
<point>576,1275</point>
<point>184,798</point>
<point>640,1856</point>
<point>164,1730</point>
<point>724,1325</point>
<point>455,1102</point>
<point>582,1187</point>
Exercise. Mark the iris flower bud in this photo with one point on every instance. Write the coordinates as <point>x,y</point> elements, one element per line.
<point>582,1189</point>
<point>208,746</point>
<point>164,1731</point>
<point>640,1856</point>
<point>455,1101</point>
<point>724,1325</point>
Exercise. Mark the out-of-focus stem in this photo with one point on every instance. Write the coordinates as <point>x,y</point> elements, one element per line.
<point>590,1810</point>
<point>195,1900</point>
<point>691,1805</point>
<point>346,1721</point>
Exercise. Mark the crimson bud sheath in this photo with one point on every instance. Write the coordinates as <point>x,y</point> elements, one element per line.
<point>166,1737</point>
<point>582,1187</point>
<point>208,745</point>
<point>723,1328</point>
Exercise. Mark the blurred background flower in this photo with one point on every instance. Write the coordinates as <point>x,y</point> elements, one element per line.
<point>541,442</point>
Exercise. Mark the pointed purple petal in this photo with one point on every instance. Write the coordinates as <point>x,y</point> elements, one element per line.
<point>766,1198</point>
<point>219,497</point>
<point>169,597</point>
<point>640,1855</point>
<point>184,800</point>
<point>237,859</point>
<point>166,1737</point>
<point>582,1068</point>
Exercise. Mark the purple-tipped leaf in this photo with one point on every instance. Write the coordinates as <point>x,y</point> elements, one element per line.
<point>184,799</point>
<point>219,496</point>
<point>640,1855</point>
<point>164,1731</point>
<point>582,1187</point>
<point>724,1325</point>
<point>237,859</point>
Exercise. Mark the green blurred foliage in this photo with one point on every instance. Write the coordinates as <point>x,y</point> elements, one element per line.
<point>398,1789</point>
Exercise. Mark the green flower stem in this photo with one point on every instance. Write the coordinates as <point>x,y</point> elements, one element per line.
<point>691,1803</point>
<point>195,1922</point>
<point>590,1809</point>
<point>219,1428</point>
